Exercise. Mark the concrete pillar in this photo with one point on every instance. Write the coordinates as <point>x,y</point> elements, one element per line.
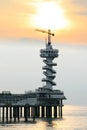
<point>60,109</point>
<point>43,114</point>
<point>7,114</point>
<point>48,111</point>
<point>20,111</point>
<point>10,114</point>
<point>37,111</point>
<point>14,113</point>
<point>32,111</point>
<point>18,116</point>
<point>55,111</point>
<point>0,114</point>
<point>3,114</point>
<point>26,113</point>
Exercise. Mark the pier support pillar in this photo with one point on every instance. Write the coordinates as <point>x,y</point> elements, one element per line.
<point>26,113</point>
<point>42,111</point>
<point>18,116</point>
<point>10,114</point>
<point>3,114</point>
<point>20,111</point>
<point>15,113</point>
<point>32,111</point>
<point>7,114</point>
<point>60,109</point>
<point>37,111</point>
<point>48,111</point>
<point>55,111</point>
<point>0,114</point>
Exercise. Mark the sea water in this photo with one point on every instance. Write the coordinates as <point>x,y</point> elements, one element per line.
<point>74,118</point>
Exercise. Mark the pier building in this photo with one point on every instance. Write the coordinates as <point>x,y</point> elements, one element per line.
<point>44,102</point>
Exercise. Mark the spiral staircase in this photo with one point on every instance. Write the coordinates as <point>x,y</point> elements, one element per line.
<point>49,54</point>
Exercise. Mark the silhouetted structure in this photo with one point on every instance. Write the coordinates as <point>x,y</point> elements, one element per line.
<point>44,102</point>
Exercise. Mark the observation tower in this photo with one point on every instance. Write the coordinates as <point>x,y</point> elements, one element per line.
<point>45,101</point>
<point>49,54</point>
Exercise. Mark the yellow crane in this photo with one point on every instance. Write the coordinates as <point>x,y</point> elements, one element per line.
<point>48,32</point>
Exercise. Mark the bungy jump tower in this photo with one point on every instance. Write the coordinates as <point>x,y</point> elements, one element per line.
<point>49,54</point>
<point>45,101</point>
<point>49,97</point>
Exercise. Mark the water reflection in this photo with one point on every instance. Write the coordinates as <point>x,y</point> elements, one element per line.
<point>74,119</point>
<point>49,123</point>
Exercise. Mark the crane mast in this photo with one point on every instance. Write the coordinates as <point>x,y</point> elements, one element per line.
<point>49,34</point>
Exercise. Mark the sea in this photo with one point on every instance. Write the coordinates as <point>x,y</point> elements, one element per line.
<point>74,118</point>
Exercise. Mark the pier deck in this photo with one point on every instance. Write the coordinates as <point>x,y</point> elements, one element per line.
<point>42,103</point>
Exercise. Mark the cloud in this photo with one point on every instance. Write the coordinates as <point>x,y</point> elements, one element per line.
<point>75,7</point>
<point>82,3</point>
<point>17,6</point>
<point>4,2</point>
<point>81,7</point>
<point>82,13</point>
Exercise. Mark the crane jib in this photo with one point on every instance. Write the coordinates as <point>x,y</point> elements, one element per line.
<point>48,32</point>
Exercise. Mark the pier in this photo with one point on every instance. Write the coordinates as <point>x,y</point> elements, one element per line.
<point>44,102</point>
<point>24,107</point>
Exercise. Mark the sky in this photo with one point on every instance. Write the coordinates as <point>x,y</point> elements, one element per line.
<point>19,18</point>
<point>21,69</point>
<point>20,44</point>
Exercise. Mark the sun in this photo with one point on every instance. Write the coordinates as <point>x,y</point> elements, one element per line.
<point>50,16</point>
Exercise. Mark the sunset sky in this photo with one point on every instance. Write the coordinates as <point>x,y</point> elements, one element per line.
<point>19,18</point>
<point>20,44</point>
